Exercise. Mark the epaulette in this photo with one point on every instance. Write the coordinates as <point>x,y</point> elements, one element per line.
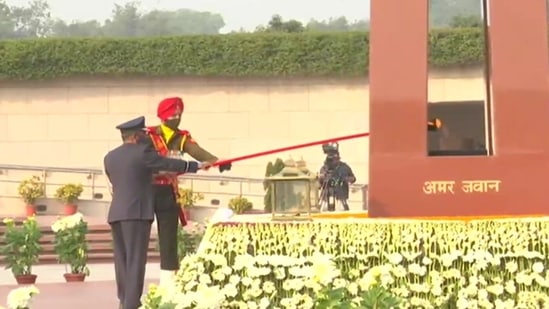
<point>184,133</point>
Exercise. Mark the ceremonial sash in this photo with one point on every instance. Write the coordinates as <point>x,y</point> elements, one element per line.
<point>162,148</point>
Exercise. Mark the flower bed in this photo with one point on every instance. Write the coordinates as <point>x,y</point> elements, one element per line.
<point>429,264</point>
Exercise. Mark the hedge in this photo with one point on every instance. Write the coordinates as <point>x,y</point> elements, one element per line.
<point>234,55</point>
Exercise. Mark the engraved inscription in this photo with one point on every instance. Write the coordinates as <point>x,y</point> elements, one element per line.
<point>439,187</point>
<point>467,186</point>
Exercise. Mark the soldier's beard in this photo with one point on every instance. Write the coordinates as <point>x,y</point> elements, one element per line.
<point>172,123</point>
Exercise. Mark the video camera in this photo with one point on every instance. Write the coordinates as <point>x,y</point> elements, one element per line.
<point>331,151</point>
<point>331,148</point>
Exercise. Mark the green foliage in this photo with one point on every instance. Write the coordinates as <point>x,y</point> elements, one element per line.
<point>375,298</point>
<point>343,54</point>
<point>271,170</point>
<point>35,20</point>
<point>466,21</point>
<point>187,198</point>
<point>69,193</point>
<point>240,205</point>
<point>31,189</point>
<point>442,12</point>
<point>339,24</point>
<point>70,243</point>
<point>456,47</point>
<point>153,299</point>
<point>188,240</point>
<point>128,20</point>
<point>277,24</point>
<point>22,246</point>
<point>379,297</point>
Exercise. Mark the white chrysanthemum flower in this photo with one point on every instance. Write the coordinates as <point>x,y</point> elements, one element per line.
<point>21,297</point>
<point>538,267</point>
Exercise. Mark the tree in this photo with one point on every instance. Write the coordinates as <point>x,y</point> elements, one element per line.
<point>124,21</point>
<point>32,21</point>
<point>90,28</point>
<point>360,25</point>
<point>129,21</point>
<point>339,24</point>
<point>441,12</point>
<point>470,21</point>
<point>180,22</point>
<point>7,23</point>
<point>277,24</point>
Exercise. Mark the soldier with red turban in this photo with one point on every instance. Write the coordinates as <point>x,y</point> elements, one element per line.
<point>168,139</point>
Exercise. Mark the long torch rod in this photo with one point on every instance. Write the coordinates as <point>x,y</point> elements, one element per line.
<point>273,151</point>
<point>182,218</point>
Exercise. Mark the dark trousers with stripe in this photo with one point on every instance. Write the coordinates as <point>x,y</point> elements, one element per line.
<point>167,222</point>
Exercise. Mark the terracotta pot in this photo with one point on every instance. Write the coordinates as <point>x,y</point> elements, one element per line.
<point>74,277</point>
<point>31,210</point>
<point>25,279</point>
<point>69,209</point>
<point>187,214</point>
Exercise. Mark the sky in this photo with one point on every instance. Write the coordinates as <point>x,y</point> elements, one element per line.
<point>237,14</point>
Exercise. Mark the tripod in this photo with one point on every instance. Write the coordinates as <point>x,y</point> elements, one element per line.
<point>328,200</point>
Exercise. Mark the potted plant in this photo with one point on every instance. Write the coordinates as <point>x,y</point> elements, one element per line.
<point>71,246</point>
<point>68,195</point>
<point>240,205</point>
<point>22,248</point>
<point>21,298</point>
<point>30,190</point>
<point>187,199</point>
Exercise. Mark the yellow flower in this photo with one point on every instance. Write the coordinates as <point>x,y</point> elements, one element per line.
<point>423,263</point>
<point>538,267</point>
<point>21,297</point>
<point>496,289</point>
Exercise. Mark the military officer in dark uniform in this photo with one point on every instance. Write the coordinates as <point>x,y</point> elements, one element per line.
<point>169,140</point>
<point>130,168</point>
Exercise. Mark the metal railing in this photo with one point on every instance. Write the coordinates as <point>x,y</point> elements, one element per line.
<point>94,185</point>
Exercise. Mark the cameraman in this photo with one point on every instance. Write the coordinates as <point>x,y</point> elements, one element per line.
<point>335,178</point>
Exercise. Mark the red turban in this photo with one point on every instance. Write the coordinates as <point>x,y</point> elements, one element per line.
<point>169,107</point>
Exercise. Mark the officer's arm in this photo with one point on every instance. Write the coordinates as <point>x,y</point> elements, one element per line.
<point>197,152</point>
<point>191,147</point>
<point>157,163</point>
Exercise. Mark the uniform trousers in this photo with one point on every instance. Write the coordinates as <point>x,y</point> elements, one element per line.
<point>131,242</point>
<point>167,223</point>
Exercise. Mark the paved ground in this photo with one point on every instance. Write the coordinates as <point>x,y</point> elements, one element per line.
<point>99,290</point>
